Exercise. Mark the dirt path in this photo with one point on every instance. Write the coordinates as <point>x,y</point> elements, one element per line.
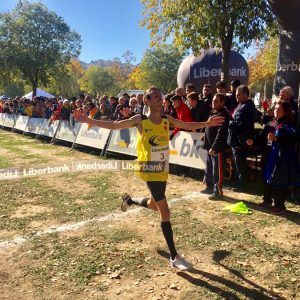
<point>235,257</point>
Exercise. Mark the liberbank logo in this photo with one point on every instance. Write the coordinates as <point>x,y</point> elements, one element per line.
<point>204,72</point>
<point>289,67</point>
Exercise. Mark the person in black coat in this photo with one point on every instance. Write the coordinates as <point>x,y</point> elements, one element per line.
<point>240,133</point>
<point>207,97</point>
<point>215,143</point>
<point>199,109</point>
<point>232,95</point>
<point>282,169</point>
<point>221,88</point>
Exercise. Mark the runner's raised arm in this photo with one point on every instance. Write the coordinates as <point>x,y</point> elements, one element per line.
<point>134,121</point>
<point>196,125</point>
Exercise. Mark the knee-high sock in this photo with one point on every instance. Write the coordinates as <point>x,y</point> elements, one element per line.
<point>168,234</point>
<point>138,201</point>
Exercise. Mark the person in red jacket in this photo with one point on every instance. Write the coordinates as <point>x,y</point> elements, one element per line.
<point>182,111</point>
<point>265,105</point>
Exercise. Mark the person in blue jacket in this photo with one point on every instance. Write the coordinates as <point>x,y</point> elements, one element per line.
<point>282,169</point>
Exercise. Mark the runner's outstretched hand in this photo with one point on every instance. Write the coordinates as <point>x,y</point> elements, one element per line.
<point>81,116</point>
<point>215,121</point>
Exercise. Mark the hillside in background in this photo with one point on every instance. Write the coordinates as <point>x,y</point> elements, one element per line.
<point>102,63</point>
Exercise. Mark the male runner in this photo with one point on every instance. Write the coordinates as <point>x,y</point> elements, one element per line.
<point>153,146</point>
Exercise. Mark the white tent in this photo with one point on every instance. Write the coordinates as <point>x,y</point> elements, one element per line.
<point>39,93</point>
<point>130,92</point>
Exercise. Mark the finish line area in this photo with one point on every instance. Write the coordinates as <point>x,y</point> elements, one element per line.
<point>64,234</point>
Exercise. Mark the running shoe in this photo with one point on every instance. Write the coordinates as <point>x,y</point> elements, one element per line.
<point>207,191</point>
<point>124,205</point>
<point>278,210</point>
<point>215,196</point>
<point>265,204</point>
<point>180,263</point>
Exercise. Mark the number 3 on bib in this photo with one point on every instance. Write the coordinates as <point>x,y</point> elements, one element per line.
<point>160,153</point>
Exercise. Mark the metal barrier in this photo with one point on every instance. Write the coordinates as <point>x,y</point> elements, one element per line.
<point>185,147</point>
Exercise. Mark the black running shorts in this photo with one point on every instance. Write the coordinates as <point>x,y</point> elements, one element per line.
<point>157,189</point>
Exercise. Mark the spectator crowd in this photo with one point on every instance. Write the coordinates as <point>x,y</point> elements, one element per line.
<point>227,147</point>
<point>112,108</point>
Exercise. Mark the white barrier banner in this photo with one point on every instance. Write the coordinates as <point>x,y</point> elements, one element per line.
<point>94,137</point>
<point>66,132</point>
<point>34,125</point>
<point>49,127</point>
<point>21,123</point>
<point>185,150</point>
<point>2,117</point>
<point>9,120</point>
<point>124,141</point>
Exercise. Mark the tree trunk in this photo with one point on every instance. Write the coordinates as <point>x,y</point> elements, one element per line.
<point>35,84</point>
<point>225,66</point>
<point>34,88</point>
<point>226,48</point>
<point>288,66</point>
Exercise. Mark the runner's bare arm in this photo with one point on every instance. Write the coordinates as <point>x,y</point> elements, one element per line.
<point>128,123</point>
<point>196,125</point>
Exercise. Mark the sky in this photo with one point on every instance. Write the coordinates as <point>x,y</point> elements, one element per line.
<point>107,27</point>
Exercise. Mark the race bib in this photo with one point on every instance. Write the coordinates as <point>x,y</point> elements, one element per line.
<point>160,153</point>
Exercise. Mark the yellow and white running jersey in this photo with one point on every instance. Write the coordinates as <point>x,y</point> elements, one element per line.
<point>153,146</point>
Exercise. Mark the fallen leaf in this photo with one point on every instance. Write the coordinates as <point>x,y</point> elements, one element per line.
<point>174,287</point>
<point>115,275</point>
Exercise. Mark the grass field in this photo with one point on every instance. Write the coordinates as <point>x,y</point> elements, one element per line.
<point>63,237</point>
